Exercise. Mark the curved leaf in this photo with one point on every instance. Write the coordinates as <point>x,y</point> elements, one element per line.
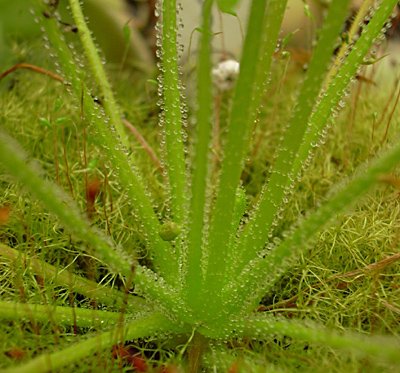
<point>227,6</point>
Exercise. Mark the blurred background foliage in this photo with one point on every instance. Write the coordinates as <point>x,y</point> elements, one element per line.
<point>115,24</point>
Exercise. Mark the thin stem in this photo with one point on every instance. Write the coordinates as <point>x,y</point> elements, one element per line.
<point>145,145</point>
<point>99,74</point>
<point>198,346</point>
<point>31,67</point>
<point>391,115</point>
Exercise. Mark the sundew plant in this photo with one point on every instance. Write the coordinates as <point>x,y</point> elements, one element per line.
<point>188,288</point>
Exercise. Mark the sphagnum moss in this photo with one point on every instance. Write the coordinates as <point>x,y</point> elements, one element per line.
<point>203,285</point>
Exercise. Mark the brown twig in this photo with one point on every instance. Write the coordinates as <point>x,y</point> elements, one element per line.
<point>217,131</point>
<point>391,114</point>
<point>390,180</point>
<point>145,145</point>
<point>386,108</point>
<point>353,110</point>
<point>34,68</point>
<point>374,267</point>
<point>65,157</point>
<point>127,124</point>
<point>391,307</point>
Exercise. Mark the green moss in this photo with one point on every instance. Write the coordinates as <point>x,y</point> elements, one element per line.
<point>329,283</point>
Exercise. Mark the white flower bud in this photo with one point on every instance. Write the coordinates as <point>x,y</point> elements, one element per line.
<point>225,74</point>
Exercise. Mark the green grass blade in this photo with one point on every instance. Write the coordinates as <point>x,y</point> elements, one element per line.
<point>171,115</point>
<point>265,327</point>
<point>92,290</point>
<point>146,326</point>
<point>274,191</point>
<point>200,165</point>
<point>99,74</point>
<point>260,29</point>
<point>266,270</point>
<point>58,315</point>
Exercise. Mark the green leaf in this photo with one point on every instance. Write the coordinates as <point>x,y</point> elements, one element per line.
<point>127,32</point>
<point>44,122</point>
<point>372,60</point>
<point>227,6</point>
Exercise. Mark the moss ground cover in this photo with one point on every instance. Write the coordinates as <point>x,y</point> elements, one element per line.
<point>345,279</point>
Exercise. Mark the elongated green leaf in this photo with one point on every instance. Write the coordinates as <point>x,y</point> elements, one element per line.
<point>268,266</point>
<point>200,162</point>
<point>102,294</point>
<point>110,104</point>
<point>58,315</point>
<point>337,86</point>
<point>263,326</point>
<point>104,134</point>
<point>258,49</point>
<point>172,112</point>
<point>15,161</point>
<point>273,193</point>
<point>142,327</point>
